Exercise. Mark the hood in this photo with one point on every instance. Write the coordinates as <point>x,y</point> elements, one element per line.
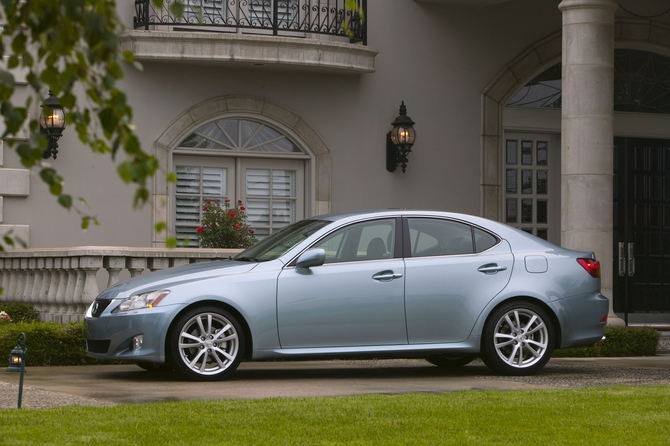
<point>173,276</point>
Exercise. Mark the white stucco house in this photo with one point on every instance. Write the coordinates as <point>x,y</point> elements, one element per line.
<point>552,116</point>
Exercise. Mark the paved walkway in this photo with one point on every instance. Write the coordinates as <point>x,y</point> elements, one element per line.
<point>121,384</point>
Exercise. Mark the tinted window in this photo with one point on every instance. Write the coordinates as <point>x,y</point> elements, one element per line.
<point>372,240</point>
<point>435,237</point>
<point>484,240</point>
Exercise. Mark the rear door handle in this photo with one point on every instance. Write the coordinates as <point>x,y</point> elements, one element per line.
<point>386,276</point>
<point>491,268</point>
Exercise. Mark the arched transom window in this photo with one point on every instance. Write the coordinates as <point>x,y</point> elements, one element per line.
<point>239,159</point>
<point>239,134</point>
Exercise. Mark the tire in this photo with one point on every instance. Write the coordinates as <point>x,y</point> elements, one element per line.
<point>155,367</point>
<point>451,362</point>
<point>518,339</point>
<point>217,341</point>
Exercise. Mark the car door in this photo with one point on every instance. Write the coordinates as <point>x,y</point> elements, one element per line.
<point>356,298</point>
<point>452,271</point>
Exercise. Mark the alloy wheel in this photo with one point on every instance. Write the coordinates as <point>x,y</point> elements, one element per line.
<point>209,344</point>
<point>521,338</point>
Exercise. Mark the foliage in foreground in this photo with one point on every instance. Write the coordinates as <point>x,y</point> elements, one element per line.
<point>600,416</point>
<point>49,343</point>
<point>71,48</point>
<point>619,342</point>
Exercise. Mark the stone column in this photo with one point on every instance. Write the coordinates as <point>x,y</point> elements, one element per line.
<point>113,265</point>
<point>136,265</point>
<point>90,265</point>
<point>587,135</point>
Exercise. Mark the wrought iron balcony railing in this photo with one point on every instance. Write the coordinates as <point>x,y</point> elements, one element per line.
<point>276,17</point>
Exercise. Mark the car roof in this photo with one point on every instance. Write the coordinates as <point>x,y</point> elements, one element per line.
<point>520,240</point>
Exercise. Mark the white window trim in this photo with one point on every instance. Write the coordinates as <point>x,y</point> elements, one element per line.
<point>316,153</point>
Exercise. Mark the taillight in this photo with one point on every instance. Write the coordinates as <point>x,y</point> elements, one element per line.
<point>591,266</point>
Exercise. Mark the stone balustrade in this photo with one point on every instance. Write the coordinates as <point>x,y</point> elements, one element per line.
<point>62,282</point>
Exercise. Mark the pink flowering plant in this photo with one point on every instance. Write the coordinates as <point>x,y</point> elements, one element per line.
<point>224,226</point>
<point>4,318</point>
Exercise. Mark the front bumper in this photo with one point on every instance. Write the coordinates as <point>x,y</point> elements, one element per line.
<point>110,335</point>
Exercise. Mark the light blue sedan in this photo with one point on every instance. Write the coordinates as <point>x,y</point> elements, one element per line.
<point>441,286</point>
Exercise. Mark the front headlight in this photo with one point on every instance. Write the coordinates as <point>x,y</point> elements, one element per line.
<point>139,301</point>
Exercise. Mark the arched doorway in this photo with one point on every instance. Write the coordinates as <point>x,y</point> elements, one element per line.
<point>522,115</point>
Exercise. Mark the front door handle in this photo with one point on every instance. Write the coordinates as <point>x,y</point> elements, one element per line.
<point>622,259</point>
<point>385,276</point>
<point>491,268</point>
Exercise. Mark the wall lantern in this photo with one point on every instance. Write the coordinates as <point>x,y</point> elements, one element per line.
<point>399,141</point>
<point>52,123</point>
<point>17,361</point>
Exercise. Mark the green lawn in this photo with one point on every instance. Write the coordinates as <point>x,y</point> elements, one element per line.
<point>595,416</point>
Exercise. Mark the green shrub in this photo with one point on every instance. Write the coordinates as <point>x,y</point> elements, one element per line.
<point>49,343</point>
<point>20,312</point>
<point>619,341</point>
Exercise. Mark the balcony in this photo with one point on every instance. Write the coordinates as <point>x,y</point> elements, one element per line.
<point>305,34</point>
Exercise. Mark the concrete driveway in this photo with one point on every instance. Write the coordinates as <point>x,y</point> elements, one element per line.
<point>120,384</point>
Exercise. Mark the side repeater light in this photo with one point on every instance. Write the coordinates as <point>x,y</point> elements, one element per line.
<point>591,266</point>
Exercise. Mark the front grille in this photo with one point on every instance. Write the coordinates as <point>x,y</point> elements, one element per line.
<point>97,346</point>
<point>99,306</point>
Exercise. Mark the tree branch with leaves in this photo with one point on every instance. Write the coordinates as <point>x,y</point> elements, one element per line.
<point>71,47</point>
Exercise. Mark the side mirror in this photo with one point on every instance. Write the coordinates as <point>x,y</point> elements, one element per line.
<point>311,257</point>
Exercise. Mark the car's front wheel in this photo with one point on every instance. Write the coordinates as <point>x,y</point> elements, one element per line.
<point>207,344</point>
<point>518,339</point>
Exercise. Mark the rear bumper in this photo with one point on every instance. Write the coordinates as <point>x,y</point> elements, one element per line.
<point>580,318</point>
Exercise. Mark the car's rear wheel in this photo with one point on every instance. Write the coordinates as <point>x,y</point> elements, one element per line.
<point>451,362</point>
<point>207,344</point>
<point>518,339</point>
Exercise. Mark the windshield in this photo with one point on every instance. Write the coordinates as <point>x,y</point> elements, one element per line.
<point>281,241</point>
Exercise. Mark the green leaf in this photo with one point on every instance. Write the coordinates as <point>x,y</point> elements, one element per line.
<point>160,226</point>
<point>56,188</point>
<point>13,61</point>
<point>125,171</point>
<point>19,43</point>
<point>68,100</point>
<point>171,242</point>
<point>50,76</point>
<point>115,70</point>
<point>6,79</point>
<point>177,9</point>
<point>8,240</point>
<point>65,201</point>
<point>85,222</point>
<point>21,242</point>
<point>27,60</point>
<point>48,174</point>
<point>109,121</point>
<point>172,177</point>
